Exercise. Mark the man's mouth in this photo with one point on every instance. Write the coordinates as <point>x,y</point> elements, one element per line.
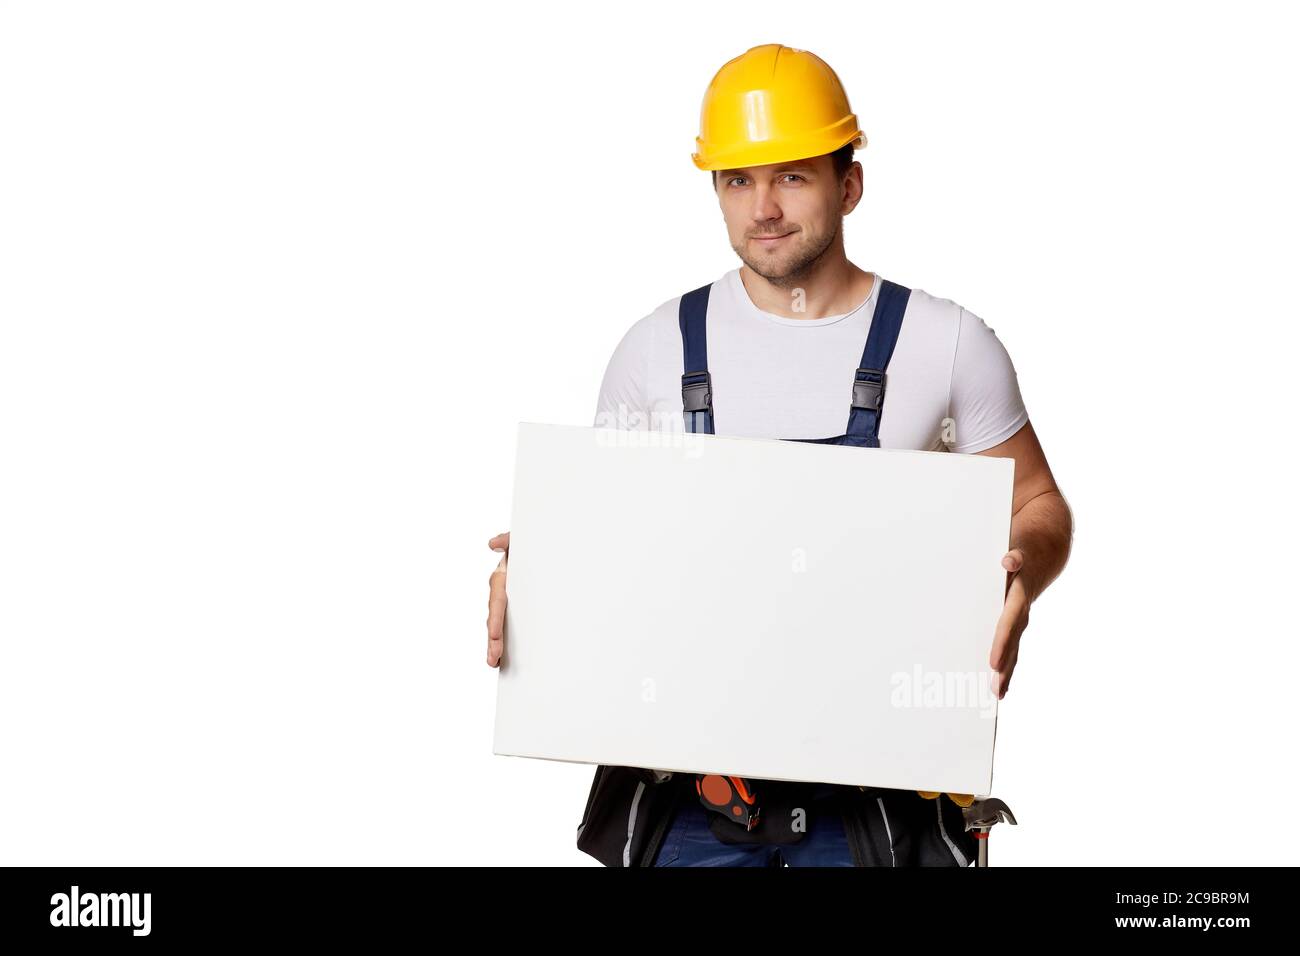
<point>771,240</point>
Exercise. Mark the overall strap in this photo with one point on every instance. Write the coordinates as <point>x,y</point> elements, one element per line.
<point>869,380</point>
<point>697,385</point>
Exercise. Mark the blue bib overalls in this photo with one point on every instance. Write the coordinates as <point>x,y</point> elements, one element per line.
<point>698,836</point>
<point>868,381</point>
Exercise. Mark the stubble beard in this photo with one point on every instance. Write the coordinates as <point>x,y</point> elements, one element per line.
<point>801,265</point>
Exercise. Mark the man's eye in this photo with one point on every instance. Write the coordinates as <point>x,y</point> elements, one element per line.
<point>795,176</point>
<point>735,179</point>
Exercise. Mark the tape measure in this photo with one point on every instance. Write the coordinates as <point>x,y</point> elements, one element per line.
<point>733,797</point>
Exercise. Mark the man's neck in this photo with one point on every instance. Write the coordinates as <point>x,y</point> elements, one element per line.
<point>830,289</point>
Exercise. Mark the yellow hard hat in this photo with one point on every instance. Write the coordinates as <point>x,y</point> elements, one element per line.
<point>773,104</point>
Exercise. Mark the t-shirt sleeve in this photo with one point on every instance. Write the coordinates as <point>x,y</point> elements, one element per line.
<point>622,402</point>
<point>984,398</point>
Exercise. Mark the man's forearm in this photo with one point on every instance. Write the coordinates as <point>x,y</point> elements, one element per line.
<point>1042,529</point>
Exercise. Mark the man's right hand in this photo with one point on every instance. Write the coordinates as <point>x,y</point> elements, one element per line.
<point>496,620</point>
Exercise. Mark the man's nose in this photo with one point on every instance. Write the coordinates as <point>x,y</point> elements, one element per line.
<point>766,207</point>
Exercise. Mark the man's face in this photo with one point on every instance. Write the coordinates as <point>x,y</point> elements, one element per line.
<point>782,218</point>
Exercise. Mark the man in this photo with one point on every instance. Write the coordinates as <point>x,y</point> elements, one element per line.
<point>785,346</point>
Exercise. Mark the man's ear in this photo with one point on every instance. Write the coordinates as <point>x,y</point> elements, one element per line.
<point>852,188</point>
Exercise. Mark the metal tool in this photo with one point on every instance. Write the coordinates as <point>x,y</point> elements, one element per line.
<point>981,816</point>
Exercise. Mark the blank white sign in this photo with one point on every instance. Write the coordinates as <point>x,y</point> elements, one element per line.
<point>771,609</point>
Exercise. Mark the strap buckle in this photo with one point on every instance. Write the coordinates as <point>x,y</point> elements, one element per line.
<point>697,392</point>
<point>868,392</point>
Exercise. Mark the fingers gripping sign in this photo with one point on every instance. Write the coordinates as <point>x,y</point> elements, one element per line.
<point>1011,624</point>
<point>496,619</point>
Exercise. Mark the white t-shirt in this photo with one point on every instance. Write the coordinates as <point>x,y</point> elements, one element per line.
<point>776,377</point>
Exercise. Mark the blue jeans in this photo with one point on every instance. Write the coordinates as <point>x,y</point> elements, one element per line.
<point>690,842</point>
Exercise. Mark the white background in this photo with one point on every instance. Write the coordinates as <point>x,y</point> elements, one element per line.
<point>278,280</point>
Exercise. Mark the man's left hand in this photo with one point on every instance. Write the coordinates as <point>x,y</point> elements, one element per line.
<point>1012,623</point>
